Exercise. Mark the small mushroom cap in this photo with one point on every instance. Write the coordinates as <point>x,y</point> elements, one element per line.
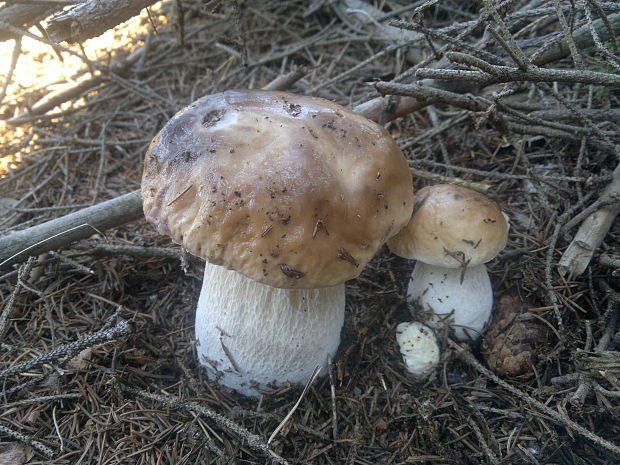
<point>452,226</point>
<point>291,191</point>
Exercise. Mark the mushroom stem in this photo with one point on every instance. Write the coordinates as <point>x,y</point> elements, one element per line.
<point>462,298</point>
<point>253,337</point>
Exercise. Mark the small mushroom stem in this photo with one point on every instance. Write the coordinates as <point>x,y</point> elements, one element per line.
<point>460,297</point>
<point>253,337</point>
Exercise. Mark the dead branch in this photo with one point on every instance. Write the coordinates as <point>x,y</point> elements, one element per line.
<point>593,230</point>
<point>429,95</point>
<point>91,19</point>
<point>492,74</point>
<point>582,38</point>
<point>66,229</point>
<point>22,276</point>
<point>23,15</point>
<point>71,349</point>
<point>438,178</point>
<point>17,50</point>
<point>27,440</point>
<point>131,250</point>
<point>611,115</point>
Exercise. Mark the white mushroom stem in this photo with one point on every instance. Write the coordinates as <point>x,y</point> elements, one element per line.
<point>462,298</point>
<point>252,336</point>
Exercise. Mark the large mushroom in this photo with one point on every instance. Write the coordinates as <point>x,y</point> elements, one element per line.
<point>293,193</point>
<point>452,233</point>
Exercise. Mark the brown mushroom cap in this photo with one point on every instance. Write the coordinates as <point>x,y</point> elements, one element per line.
<point>291,191</point>
<point>452,226</point>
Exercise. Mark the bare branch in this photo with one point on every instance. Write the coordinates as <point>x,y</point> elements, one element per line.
<point>24,15</point>
<point>430,95</point>
<point>495,74</point>
<point>590,235</point>
<point>582,37</point>
<point>469,358</point>
<point>69,228</point>
<point>67,351</point>
<point>90,19</point>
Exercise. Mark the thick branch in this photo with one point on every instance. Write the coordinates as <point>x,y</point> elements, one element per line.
<point>592,232</point>
<point>66,229</point>
<point>582,38</point>
<point>23,16</point>
<point>91,19</point>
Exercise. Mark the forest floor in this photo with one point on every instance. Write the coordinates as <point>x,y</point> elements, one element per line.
<point>97,350</point>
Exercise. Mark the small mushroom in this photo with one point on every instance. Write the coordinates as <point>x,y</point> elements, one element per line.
<point>295,194</point>
<point>418,347</point>
<point>453,231</point>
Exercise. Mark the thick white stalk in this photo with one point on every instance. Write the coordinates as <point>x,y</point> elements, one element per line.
<point>463,300</point>
<point>252,336</point>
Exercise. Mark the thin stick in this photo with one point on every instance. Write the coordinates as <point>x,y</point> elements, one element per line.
<point>23,274</point>
<point>288,416</point>
<point>17,50</point>
<point>333,398</point>
<point>477,186</point>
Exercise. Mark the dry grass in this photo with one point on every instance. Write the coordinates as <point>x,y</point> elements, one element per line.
<point>95,402</point>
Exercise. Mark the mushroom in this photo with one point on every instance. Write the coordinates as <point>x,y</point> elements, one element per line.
<point>419,348</point>
<point>453,231</point>
<point>295,194</point>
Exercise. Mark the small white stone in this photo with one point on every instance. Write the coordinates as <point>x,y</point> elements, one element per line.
<point>419,348</point>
